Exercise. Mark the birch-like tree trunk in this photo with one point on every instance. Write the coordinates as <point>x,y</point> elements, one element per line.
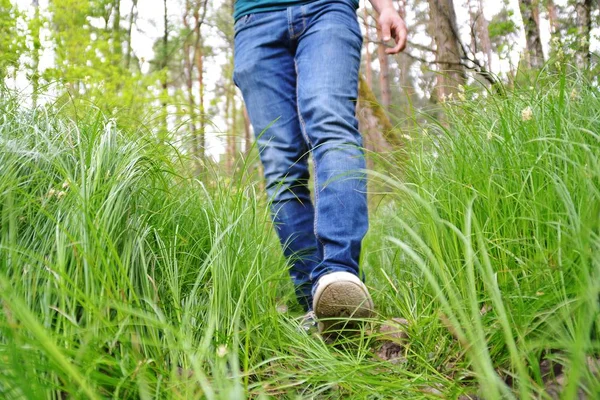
<point>584,27</point>
<point>530,13</point>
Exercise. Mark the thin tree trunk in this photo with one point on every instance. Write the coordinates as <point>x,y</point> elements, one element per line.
<point>404,65</point>
<point>199,15</point>
<point>233,128</point>
<point>164,65</point>
<point>37,45</point>
<point>228,137</point>
<point>202,121</point>
<point>473,17</point>
<point>552,16</point>
<point>376,125</point>
<point>481,33</point>
<point>484,32</point>
<point>530,13</point>
<point>368,60</point>
<point>132,18</point>
<point>384,71</point>
<point>116,34</point>
<point>230,115</point>
<point>584,27</point>
<point>448,53</point>
<point>188,70</point>
<point>247,132</point>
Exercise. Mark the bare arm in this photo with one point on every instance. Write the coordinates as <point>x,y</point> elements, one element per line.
<point>392,25</point>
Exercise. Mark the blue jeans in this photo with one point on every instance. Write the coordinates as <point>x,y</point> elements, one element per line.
<point>298,72</point>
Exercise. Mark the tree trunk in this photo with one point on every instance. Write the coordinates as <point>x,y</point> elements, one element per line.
<point>530,13</point>
<point>164,65</point>
<point>232,129</point>
<point>116,34</point>
<point>448,52</point>
<point>35,56</point>
<point>584,27</point>
<point>375,124</point>
<point>188,70</point>
<point>405,62</point>
<point>552,16</point>
<point>368,60</point>
<point>230,103</point>
<point>247,132</point>
<point>199,15</point>
<point>480,32</point>
<point>229,131</point>
<point>202,112</point>
<point>132,18</point>
<point>484,36</point>
<point>384,71</point>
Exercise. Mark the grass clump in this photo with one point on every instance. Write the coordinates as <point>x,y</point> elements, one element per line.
<point>496,239</point>
<point>116,272</point>
<point>122,277</point>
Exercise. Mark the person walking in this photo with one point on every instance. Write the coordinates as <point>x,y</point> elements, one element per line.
<point>297,64</point>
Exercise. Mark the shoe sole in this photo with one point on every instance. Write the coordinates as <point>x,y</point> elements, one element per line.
<point>341,301</point>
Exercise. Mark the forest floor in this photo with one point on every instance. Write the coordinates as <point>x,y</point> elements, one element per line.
<point>123,277</point>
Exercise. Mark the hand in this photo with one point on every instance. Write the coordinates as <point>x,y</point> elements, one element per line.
<point>392,25</point>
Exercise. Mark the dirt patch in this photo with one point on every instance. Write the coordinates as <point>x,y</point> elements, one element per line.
<point>391,339</point>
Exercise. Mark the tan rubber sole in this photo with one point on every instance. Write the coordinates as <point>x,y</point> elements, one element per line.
<point>341,302</point>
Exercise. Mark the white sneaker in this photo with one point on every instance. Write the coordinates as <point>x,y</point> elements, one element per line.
<point>339,300</point>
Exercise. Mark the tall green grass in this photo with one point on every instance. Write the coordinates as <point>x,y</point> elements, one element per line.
<point>497,223</point>
<point>121,276</point>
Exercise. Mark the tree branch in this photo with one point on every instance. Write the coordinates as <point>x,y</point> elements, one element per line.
<point>469,57</point>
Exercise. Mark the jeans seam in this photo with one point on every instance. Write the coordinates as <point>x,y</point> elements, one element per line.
<point>290,22</point>
<point>315,175</point>
<point>290,15</point>
<point>303,22</point>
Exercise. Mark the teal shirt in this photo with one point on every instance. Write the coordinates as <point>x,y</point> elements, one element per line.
<point>244,7</point>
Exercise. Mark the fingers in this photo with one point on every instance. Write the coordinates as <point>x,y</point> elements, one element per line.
<point>393,25</point>
<point>385,31</point>
<point>400,34</point>
<point>397,48</point>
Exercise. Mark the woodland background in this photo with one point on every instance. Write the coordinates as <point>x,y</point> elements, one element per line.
<point>168,64</point>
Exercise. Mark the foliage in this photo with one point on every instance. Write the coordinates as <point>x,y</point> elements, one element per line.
<point>90,63</point>
<point>11,42</point>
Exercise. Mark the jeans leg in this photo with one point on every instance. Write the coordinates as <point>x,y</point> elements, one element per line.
<point>327,62</point>
<point>265,73</point>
